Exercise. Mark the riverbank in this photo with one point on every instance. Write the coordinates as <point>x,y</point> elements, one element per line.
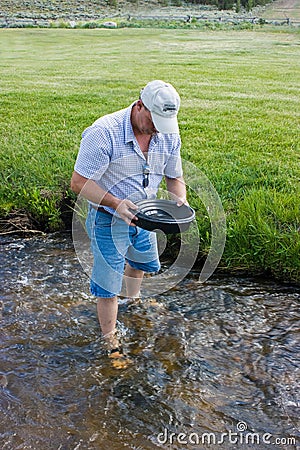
<point>238,122</point>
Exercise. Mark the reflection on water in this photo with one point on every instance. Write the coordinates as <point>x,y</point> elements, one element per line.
<point>218,363</point>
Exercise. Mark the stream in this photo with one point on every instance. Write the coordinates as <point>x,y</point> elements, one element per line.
<point>214,365</point>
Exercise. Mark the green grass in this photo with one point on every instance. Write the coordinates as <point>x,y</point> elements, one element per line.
<point>239,123</point>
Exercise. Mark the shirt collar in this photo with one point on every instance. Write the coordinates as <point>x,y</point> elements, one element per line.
<point>129,134</point>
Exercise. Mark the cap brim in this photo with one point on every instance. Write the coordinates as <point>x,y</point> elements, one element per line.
<point>165,125</point>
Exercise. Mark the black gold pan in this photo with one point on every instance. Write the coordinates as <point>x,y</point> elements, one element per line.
<point>164,215</point>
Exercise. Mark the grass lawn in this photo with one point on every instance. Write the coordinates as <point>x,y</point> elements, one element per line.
<point>239,123</point>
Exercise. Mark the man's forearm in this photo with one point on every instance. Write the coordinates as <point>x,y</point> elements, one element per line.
<point>90,190</point>
<point>177,189</point>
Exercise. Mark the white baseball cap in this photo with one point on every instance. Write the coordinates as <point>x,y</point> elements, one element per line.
<point>163,102</point>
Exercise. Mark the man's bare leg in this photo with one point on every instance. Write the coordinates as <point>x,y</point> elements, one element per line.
<point>107,309</point>
<point>133,280</point>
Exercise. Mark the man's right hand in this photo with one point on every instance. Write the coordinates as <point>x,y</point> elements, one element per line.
<point>126,210</point>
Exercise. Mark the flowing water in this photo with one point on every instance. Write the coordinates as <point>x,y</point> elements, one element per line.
<point>213,365</point>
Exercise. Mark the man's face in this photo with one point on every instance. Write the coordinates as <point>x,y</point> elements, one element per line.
<point>144,120</point>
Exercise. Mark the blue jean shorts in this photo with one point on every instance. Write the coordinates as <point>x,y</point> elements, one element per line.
<point>113,243</point>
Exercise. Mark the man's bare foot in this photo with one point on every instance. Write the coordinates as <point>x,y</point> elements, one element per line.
<point>118,359</point>
<point>115,352</point>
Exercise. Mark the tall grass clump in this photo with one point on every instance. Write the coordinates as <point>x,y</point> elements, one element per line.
<point>264,234</point>
<point>239,123</point>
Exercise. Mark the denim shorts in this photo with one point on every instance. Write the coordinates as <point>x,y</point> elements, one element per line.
<point>113,242</point>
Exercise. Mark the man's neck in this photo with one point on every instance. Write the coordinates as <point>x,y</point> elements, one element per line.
<point>143,141</point>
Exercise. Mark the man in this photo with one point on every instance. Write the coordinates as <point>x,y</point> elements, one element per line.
<point>123,157</point>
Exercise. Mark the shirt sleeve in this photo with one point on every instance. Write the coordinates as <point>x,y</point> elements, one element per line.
<point>173,168</point>
<point>94,153</point>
